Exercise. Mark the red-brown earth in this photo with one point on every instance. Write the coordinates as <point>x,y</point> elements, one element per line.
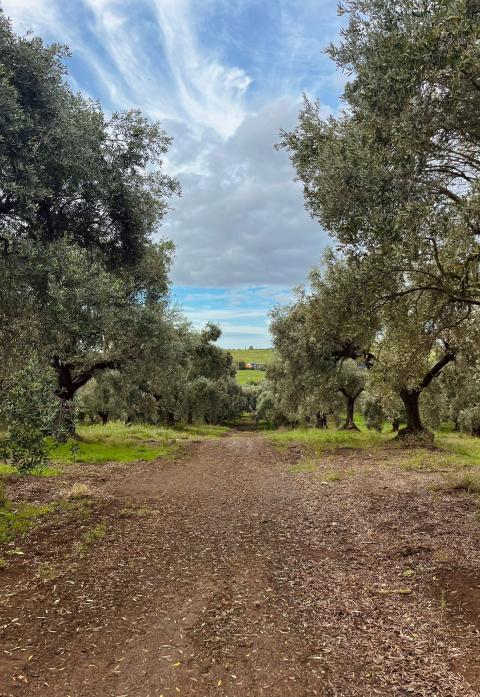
<point>225,573</point>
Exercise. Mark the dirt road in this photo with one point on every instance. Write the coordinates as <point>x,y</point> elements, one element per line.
<point>227,574</point>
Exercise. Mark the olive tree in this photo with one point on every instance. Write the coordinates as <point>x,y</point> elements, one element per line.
<point>80,198</point>
<point>322,343</point>
<point>394,178</point>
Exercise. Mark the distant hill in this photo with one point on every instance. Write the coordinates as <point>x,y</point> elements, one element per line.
<point>252,355</point>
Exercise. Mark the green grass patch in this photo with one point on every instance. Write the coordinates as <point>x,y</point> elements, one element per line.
<point>306,466</point>
<point>465,448</point>
<point>467,481</point>
<point>336,475</point>
<point>6,469</point>
<point>97,453</point>
<point>318,440</point>
<point>17,519</point>
<point>95,534</point>
<point>250,377</point>
<point>430,460</point>
<point>117,442</point>
<point>252,355</point>
<point>454,450</point>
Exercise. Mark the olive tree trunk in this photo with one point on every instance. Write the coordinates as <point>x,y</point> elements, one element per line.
<point>350,424</point>
<point>415,432</point>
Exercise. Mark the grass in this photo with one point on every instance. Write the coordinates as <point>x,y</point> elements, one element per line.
<point>6,469</point>
<point>252,355</point>
<point>16,520</point>
<point>305,466</point>
<point>250,377</point>
<point>135,511</point>
<point>78,491</point>
<point>455,454</point>
<point>117,442</point>
<point>424,460</point>
<point>467,481</point>
<point>318,440</point>
<point>465,448</point>
<point>95,534</point>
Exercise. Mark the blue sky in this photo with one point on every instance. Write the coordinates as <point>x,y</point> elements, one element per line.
<point>223,76</point>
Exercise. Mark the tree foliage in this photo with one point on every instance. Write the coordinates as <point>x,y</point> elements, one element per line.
<point>29,407</point>
<point>394,180</point>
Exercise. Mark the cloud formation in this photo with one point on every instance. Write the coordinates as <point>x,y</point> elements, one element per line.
<point>224,76</point>
<point>241,220</point>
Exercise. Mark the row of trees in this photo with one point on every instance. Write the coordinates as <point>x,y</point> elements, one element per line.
<point>394,180</point>
<point>84,288</point>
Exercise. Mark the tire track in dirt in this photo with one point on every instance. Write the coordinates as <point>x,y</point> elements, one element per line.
<point>223,574</point>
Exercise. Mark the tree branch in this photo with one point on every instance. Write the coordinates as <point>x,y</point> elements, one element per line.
<point>435,371</point>
<point>84,376</point>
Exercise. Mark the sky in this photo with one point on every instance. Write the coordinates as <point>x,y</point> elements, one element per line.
<point>223,77</point>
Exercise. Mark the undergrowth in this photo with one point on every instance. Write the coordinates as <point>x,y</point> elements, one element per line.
<point>318,440</point>
<point>17,519</point>
<point>118,442</point>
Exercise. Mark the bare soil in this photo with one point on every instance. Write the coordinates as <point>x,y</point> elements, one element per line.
<point>226,574</point>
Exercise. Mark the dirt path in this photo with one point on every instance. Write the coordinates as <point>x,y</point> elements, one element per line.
<point>226,574</point>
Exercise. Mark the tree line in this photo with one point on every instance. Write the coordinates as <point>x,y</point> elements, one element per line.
<point>392,313</point>
<point>390,318</point>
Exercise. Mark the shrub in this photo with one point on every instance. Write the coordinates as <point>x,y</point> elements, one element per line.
<point>467,481</point>
<point>373,413</point>
<point>32,413</point>
<point>469,420</point>
<point>79,491</point>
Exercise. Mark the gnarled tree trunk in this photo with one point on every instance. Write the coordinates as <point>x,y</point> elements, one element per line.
<point>415,433</point>
<point>104,416</point>
<point>350,400</point>
<point>350,424</point>
<point>411,402</point>
<point>68,382</point>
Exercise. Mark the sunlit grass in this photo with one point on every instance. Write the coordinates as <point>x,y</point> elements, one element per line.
<point>468,481</point>
<point>452,451</point>
<point>318,440</point>
<point>117,442</point>
<point>6,469</point>
<point>248,377</point>
<point>465,448</point>
<point>424,460</point>
<point>252,355</point>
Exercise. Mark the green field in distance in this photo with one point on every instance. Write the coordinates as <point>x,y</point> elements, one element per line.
<point>244,377</point>
<point>252,355</point>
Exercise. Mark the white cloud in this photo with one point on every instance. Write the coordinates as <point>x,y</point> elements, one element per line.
<point>242,221</point>
<point>210,93</point>
<point>223,84</point>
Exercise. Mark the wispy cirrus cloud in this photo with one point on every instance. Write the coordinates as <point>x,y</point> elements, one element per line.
<point>224,76</point>
<point>211,94</point>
